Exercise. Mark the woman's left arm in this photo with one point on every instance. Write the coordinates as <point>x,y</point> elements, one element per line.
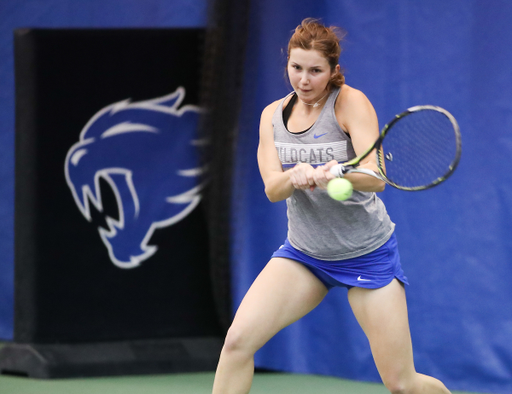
<point>358,117</point>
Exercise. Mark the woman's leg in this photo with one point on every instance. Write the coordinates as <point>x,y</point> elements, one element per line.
<point>283,292</point>
<point>382,314</point>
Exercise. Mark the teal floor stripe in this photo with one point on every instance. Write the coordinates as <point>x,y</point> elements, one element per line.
<point>193,383</point>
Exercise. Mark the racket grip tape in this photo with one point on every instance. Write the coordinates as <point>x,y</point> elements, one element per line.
<point>338,170</point>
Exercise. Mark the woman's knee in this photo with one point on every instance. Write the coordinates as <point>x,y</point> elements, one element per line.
<point>411,384</point>
<point>397,388</point>
<point>417,383</point>
<point>398,385</point>
<point>239,340</point>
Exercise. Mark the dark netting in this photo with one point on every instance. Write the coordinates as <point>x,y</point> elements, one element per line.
<point>221,97</point>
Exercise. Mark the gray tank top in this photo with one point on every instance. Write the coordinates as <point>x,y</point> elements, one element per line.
<point>318,225</point>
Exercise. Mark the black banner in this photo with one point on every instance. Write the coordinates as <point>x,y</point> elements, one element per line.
<point>111,237</point>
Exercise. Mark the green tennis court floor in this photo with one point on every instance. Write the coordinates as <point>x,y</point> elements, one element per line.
<point>192,383</point>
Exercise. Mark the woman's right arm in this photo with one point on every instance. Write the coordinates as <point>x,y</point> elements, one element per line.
<point>278,185</point>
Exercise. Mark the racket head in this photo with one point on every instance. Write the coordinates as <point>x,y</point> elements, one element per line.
<point>420,148</point>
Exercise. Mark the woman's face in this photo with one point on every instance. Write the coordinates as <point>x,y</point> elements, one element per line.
<point>309,74</point>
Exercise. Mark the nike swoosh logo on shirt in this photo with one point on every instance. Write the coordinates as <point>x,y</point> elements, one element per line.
<point>318,136</point>
<point>363,280</point>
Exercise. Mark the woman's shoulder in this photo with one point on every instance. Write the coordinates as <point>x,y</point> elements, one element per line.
<point>351,106</point>
<point>272,107</point>
<point>352,102</point>
<point>350,96</point>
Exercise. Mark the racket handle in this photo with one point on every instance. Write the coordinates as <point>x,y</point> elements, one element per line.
<point>338,170</point>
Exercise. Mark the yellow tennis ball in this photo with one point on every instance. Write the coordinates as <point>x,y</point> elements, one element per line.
<point>339,189</point>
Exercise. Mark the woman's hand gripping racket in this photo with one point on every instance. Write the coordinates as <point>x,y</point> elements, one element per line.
<point>417,150</point>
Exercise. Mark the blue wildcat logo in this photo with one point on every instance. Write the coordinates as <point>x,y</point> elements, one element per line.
<point>148,154</point>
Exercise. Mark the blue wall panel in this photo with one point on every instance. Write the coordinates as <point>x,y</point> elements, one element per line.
<point>454,240</point>
<point>62,14</point>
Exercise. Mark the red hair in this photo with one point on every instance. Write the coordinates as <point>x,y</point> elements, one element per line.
<point>312,35</point>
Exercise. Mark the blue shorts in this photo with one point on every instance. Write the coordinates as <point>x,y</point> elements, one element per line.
<point>372,271</point>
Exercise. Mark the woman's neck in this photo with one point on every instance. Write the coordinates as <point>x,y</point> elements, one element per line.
<point>313,106</point>
<point>316,104</point>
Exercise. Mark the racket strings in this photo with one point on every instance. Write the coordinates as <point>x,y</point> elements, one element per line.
<point>419,149</point>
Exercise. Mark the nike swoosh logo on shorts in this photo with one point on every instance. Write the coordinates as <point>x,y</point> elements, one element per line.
<point>363,280</point>
<point>318,136</point>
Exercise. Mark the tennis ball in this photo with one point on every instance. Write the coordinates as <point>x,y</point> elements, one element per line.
<point>339,189</point>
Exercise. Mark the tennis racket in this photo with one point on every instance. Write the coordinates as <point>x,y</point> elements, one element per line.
<point>417,150</point>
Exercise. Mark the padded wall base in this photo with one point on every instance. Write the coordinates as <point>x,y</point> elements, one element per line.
<point>46,361</point>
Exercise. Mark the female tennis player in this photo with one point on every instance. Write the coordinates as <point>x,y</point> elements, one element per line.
<point>330,243</point>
